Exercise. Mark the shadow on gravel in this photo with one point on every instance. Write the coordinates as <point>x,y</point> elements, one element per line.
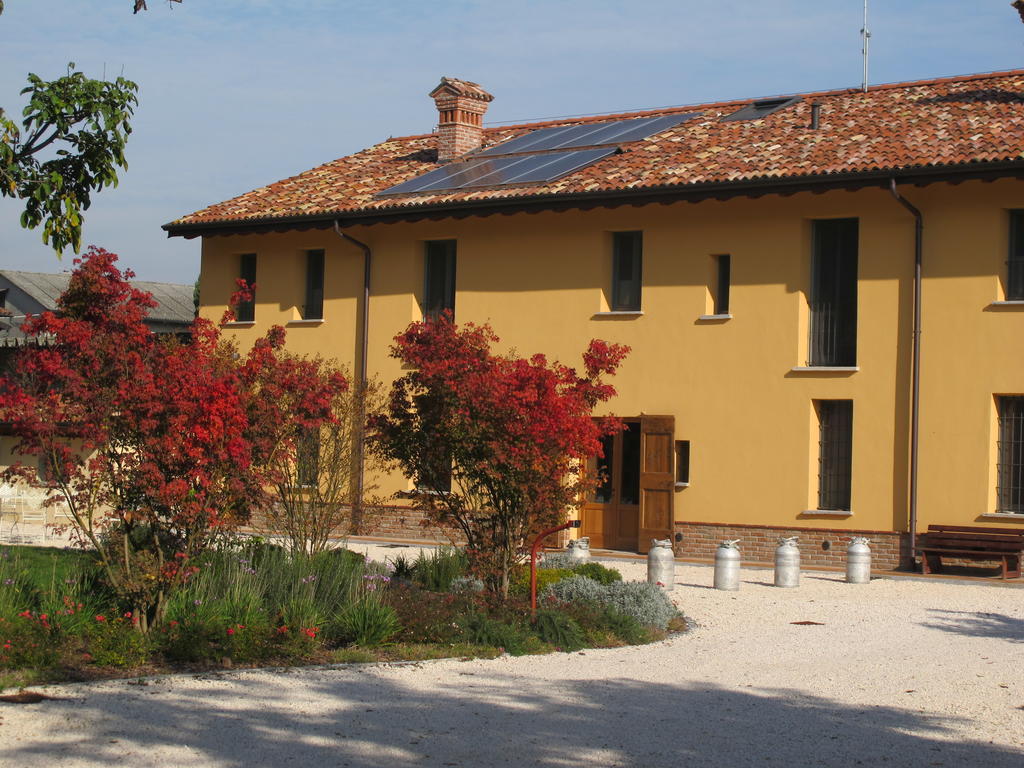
<point>481,717</point>
<point>978,624</point>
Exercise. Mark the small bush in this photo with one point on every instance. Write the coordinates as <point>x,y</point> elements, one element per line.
<point>557,561</point>
<point>116,642</point>
<point>480,629</point>
<point>428,617</point>
<point>545,578</point>
<point>367,622</point>
<point>402,568</point>
<point>625,628</point>
<point>597,572</point>
<point>436,571</point>
<point>647,603</point>
<point>561,561</point>
<point>575,589</point>
<point>559,630</point>
<point>466,584</point>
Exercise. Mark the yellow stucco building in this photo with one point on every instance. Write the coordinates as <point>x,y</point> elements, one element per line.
<point>765,261</point>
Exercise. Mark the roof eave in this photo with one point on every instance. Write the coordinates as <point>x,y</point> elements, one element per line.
<point>606,198</point>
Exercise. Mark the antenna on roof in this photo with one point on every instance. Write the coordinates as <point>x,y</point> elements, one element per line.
<point>866,37</point>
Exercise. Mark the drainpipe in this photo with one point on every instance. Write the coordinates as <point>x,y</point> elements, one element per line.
<point>915,397</point>
<point>357,507</point>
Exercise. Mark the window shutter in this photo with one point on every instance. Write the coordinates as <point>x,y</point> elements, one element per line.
<point>657,479</point>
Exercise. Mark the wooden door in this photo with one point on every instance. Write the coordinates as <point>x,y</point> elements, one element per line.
<point>657,479</point>
<point>597,511</point>
<point>611,515</point>
<point>627,487</point>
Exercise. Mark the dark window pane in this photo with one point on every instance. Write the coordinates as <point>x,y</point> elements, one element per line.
<point>627,270</point>
<point>630,491</point>
<point>835,453</point>
<point>724,266</point>
<point>833,300</point>
<point>1010,470</point>
<point>314,309</point>
<point>682,461</point>
<point>245,312</point>
<point>1015,262</point>
<point>439,288</point>
<point>603,491</point>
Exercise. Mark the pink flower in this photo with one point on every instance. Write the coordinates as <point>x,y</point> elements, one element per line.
<point>231,631</point>
<point>101,618</point>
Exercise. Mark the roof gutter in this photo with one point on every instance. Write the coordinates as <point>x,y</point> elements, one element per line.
<point>364,339</point>
<point>915,396</point>
<point>635,196</point>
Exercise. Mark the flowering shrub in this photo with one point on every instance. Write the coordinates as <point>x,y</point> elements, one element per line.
<point>117,642</point>
<point>499,442</point>
<point>28,640</point>
<point>173,443</point>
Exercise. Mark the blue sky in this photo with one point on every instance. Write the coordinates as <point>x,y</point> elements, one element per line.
<point>235,94</point>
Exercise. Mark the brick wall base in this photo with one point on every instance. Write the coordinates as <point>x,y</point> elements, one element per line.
<point>402,523</point>
<point>818,546</point>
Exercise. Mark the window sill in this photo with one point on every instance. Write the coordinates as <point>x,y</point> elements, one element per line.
<point>1007,304</point>
<point>624,314</point>
<point>824,369</point>
<point>293,323</point>
<point>714,318</point>
<point>240,324</point>
<point>826,513</point>
<point>1005,515</point>
<point>680,486</point>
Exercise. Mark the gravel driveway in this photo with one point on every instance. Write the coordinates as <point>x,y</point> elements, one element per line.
<point>898,673</point>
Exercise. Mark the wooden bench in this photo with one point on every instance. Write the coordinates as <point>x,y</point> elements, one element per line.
<point>972,543</point>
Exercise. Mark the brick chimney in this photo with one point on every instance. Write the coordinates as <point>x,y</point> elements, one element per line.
<point>460,107</point>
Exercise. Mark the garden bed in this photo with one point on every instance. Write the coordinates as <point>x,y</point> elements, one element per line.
<point>253,605</point>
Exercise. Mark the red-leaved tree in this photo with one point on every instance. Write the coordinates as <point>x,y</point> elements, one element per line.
<point>496,445</point>
<point>155,445</point>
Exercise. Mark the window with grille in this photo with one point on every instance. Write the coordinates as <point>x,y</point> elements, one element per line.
<point>439,282</point>
<point>245,311</point>
<point>314,307</point>
<point>1015,258</point>
<point>1010,471</point>
<point>833,299</point>
<point>627,271</point>
<point>835,453</point>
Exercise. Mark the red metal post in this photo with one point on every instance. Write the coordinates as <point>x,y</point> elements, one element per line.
<point>533,560</point>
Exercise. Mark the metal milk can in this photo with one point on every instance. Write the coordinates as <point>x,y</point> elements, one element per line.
<point>727,566</point>
<point>858,561</point>
<point>661,563</point>
<point>579,549</point>
<point>787,563</point>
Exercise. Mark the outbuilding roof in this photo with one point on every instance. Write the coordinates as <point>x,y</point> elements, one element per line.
<point>910,130</point>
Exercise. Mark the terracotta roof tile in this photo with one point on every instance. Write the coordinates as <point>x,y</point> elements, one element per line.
<point>897,127</point>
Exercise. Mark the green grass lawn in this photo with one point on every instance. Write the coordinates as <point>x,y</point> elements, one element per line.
<point>43,566</point>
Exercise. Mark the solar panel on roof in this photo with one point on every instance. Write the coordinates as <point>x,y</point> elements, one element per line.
<point>587,135</point>
<point>539,156</point>
<point>488,172</point>
<point>543,168</point>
